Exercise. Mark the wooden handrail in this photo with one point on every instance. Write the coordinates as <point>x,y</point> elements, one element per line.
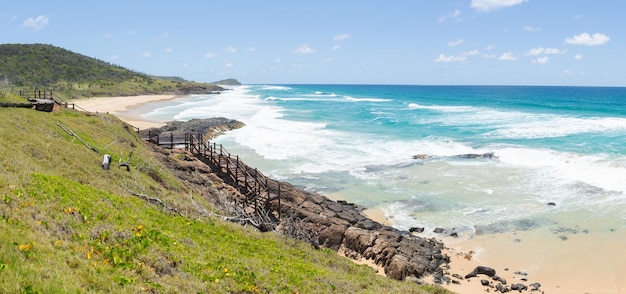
<point>249,181</point>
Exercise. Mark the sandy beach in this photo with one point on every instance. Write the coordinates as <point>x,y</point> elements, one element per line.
<point>122,107</point>
<point>561,272</point>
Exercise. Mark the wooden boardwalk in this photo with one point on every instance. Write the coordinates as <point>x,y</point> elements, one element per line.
<point>262,195</point>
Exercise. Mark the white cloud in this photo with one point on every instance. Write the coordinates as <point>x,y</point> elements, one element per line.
<point>488,5</point>
<point>470,53</point>
<point>508,56</point>
<point>568,72</point>
<point>208,55</point>
<point>341,37</point>
<point>304,49</point>
<point>455,43</point>
<point>336,47</point>
<point>531,29</point>
<point>146,54</point>
<point>489,56</point>
<point>554,51</point>
<point>456,14</point>
<point>228,65</point>
<point>541,60</point>
<point>546,51</point>
<point>114,57</point>
<point>588,40</point>
<point>230,49</point>
<point>36,23</point>
<point>251,49</point>
<point>451,58</point>
<point>457,58</point>
<point>578,57</point>
<point>169,50</point>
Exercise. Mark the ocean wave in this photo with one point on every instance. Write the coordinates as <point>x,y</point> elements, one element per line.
<point>442,108</point>
<point>352,99</point>
<point>272,98</point>
<point>551,127</point>
<point>278,88</point>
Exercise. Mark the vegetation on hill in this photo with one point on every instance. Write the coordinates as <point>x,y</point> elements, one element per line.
<point>68,225</point>
<point>71,75</point>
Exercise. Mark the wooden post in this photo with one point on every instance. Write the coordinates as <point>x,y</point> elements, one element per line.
<point>227,167</point>
<point>171,140</point>
<point>279,208</point>
<point>237,171</point>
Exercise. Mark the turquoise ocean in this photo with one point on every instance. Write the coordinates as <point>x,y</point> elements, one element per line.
<point>558,170</point>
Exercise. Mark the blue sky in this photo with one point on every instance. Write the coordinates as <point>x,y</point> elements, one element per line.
<point>425,42</point>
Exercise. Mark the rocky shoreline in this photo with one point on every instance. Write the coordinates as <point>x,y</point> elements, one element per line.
<point>337,225</point>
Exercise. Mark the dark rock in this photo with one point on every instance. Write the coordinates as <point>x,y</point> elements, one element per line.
<point>521,273</point>
<point>481,270</point>
<point>416,229</point>
<point>438,230</point>
<point>551,203</point>
<point>457,276</point>
<point>502,288</point>
<point>484,282</point>
<point>488,155</point>
<point>368,224</point>
<point>519,287</point>
<point>535,286</point>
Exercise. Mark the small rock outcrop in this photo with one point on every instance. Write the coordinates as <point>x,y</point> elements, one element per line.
<point>341,226</point>
<point>209,127</point>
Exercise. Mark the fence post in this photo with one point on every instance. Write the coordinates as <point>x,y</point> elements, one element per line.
<point>279,208</point>
<point>237,170</point>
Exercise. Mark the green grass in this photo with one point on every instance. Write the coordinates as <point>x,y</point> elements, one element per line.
<point>68,226</point>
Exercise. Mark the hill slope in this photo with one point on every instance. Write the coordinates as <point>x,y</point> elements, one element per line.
<point>70,226</point>
<point>71,75</point>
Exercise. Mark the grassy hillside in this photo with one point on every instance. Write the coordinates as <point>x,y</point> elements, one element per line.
<point>69,226</point>
<point>71,75</point>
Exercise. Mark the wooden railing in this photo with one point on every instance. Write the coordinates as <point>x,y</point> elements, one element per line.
<point>259,190</point>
